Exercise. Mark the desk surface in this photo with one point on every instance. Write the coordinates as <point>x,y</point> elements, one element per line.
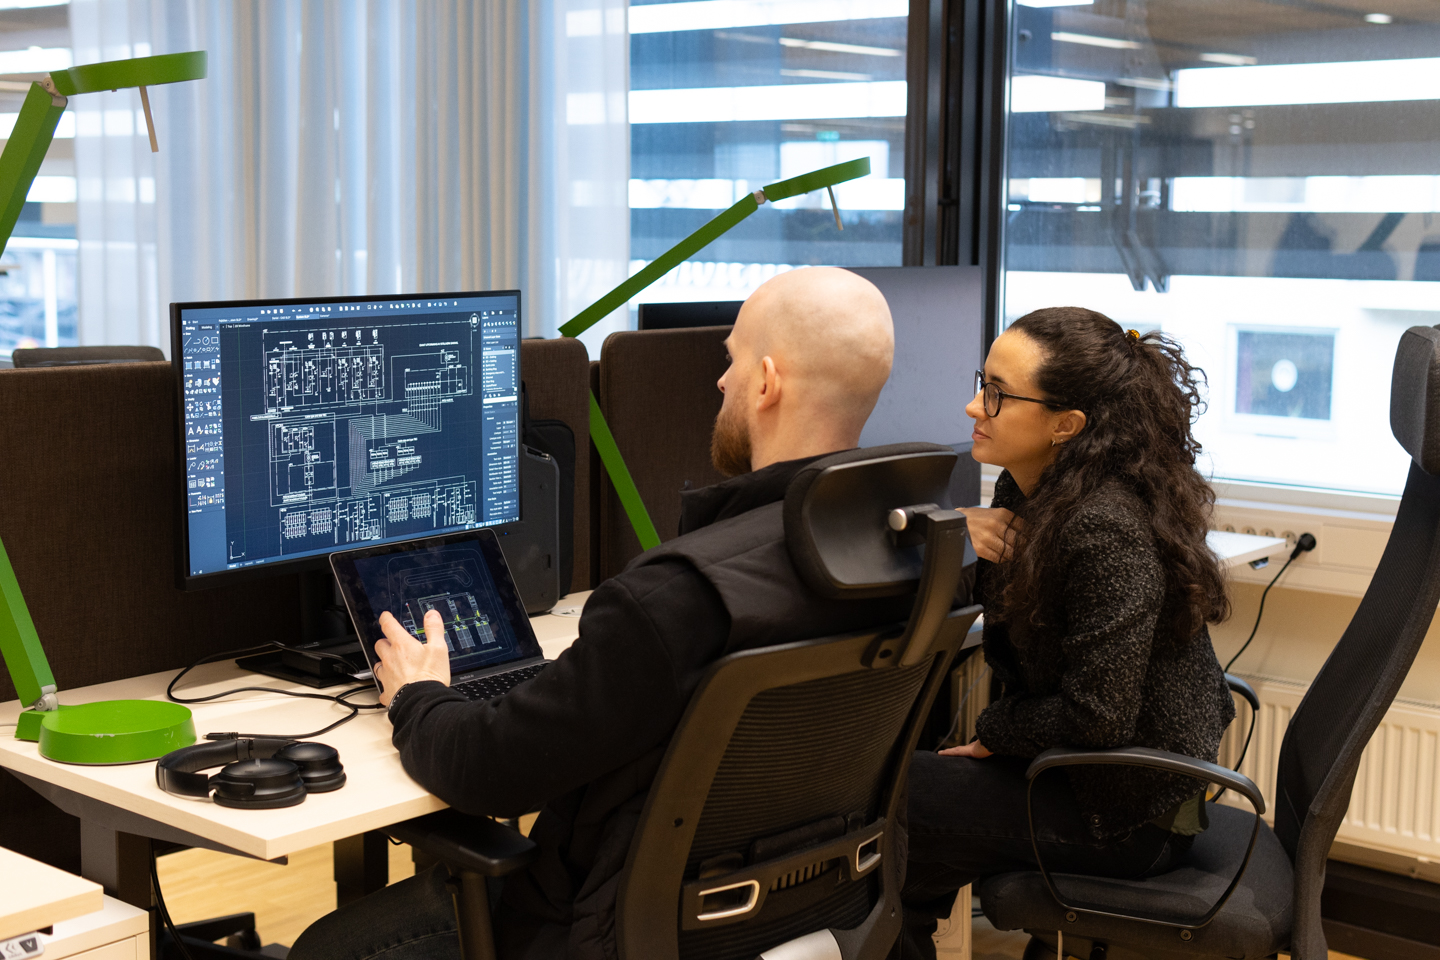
<point>35,895</point>
<point>377,792</point>
<point>1234,549</point>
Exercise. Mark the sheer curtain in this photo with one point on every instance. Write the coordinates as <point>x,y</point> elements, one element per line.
<point>350,147</point>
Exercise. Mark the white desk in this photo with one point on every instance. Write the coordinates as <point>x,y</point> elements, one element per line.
<point>1234,549</point>
<point>34,896</point>
<point>121,809</point>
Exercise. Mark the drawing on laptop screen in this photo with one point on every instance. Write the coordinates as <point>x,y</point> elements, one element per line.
<point>454,581</point>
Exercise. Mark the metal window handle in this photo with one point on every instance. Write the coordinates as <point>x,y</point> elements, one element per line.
<point>728,912</point>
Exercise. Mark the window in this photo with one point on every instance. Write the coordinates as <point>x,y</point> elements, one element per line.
<point>727,97</point>
<point>1259,180</point>
<point>38,267</point>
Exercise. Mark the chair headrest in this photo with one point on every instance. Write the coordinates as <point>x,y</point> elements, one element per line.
<point>836,510</point>
<point>1415,397</point>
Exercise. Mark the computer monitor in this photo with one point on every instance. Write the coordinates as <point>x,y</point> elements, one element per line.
<point>310,426</point>
<point>672,316</point>
<point>939,341</point>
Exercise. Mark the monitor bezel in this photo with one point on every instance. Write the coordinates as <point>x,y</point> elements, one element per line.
<point>184,579</point>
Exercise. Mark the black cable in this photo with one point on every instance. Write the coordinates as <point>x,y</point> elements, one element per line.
<point>164,911</point>
<point>1305,543</point>
<point>340,699</point>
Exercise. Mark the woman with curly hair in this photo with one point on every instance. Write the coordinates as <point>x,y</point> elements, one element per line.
<point>1098,587</point>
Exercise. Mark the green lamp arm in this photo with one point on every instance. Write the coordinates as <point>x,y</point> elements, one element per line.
<point>35,127</point>
<point>600,434</point>
<point>19,163</point>
<point>20,645</point>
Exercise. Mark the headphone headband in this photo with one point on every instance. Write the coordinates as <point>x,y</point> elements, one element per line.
<point>177,772</point>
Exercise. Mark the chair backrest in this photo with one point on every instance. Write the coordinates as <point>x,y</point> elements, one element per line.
<point>772,815</point>
<point>80,356</point>
<point>657,391</point>
<point>1355,687</point>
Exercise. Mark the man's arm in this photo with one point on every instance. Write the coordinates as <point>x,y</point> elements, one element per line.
<point>614,695</point>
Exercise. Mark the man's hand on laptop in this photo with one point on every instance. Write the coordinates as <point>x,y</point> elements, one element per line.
<point>403,659</point>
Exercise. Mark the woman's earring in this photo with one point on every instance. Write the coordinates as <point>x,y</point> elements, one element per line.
<point>1054,443</point>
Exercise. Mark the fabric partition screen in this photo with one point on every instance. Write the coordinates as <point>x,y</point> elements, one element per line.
<point>343,147</point>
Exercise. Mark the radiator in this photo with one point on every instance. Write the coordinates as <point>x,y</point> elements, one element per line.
<point>1395,805</point>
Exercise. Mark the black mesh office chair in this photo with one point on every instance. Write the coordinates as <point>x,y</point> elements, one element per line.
<point>80,356</point>
<point>770,828</point>
<point>1274,902</point>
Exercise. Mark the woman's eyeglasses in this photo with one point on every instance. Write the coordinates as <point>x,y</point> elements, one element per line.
<point>994,396</point>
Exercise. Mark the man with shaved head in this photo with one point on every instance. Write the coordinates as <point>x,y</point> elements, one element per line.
<point>809,354</point>
<point>581,742</point>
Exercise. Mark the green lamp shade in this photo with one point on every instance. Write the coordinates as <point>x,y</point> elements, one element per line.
<point>111,731</point>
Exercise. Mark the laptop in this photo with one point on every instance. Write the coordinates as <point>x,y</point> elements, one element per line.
<point>465,577</point>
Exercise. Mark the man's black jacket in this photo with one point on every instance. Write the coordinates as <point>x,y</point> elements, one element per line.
<point>583,740</point>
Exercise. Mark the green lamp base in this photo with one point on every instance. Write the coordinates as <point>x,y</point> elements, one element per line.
<point>111,731</point>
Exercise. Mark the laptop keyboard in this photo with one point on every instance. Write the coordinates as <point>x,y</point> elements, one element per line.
<point>488,688</point>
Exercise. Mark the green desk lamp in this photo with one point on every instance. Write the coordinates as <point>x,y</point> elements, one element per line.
<point>111,731</point>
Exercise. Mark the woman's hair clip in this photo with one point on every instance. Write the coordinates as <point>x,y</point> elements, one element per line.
<point>1133,335</point>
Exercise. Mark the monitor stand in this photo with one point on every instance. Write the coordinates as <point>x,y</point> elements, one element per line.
<point>324,628</point>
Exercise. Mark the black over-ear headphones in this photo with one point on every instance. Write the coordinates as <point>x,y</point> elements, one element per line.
<point>258,773</point>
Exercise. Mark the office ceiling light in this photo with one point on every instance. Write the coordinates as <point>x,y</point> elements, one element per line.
<point>825,75</point>
<point>722,14</point>
<point>1358,81</point>
<point>35,60</point>
<point>1381,18</point>
<point>1229,59</point>
<point>839,47</point>
<point>1090,40</point>
<point>790,101</point>
<point>1054,3</point>
<point>27,4</point>
<point>1032,93</point>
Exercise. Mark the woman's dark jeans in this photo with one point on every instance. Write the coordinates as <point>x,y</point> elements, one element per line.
<point>967,821</point>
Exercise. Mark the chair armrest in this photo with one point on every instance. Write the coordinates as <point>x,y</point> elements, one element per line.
<point>1155,760</point>
<point>1243,688</point>
<point>471,843</point>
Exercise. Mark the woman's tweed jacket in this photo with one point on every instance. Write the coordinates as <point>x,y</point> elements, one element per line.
<point>1101,672</point>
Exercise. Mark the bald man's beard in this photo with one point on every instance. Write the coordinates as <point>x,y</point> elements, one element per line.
<point>730,443</point>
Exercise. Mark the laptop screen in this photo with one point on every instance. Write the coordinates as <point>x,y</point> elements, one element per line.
<point>463,576</point>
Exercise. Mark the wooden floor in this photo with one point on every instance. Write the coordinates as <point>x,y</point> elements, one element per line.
<point>286,899</point>
<point>199,884</point>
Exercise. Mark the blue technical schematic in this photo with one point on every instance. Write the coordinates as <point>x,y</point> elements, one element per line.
<point>455,581</point>
<point>312,427</point>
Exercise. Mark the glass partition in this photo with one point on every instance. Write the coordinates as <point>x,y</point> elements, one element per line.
<point>1258,178</point>
<point>726,97</point>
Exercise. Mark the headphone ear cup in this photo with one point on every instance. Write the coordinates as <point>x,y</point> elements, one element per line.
<point>319,765</point>
<point>258,784</point>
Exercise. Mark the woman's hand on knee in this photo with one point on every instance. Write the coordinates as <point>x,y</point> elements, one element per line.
<point>993,531</point>
<point>974,749</point>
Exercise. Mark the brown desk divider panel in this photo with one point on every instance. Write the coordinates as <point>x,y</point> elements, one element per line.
<point>657,390</point>
<point>557,380</point>
<point>89,496</point>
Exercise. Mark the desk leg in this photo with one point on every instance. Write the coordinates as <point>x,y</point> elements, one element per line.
<point>120,862</point>
<point>362,865</point>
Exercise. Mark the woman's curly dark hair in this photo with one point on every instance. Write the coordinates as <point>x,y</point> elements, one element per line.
<point>1140,397</point>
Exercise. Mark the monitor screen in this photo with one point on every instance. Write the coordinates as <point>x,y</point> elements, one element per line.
<point>939,319</point>
<point>311,426</point>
